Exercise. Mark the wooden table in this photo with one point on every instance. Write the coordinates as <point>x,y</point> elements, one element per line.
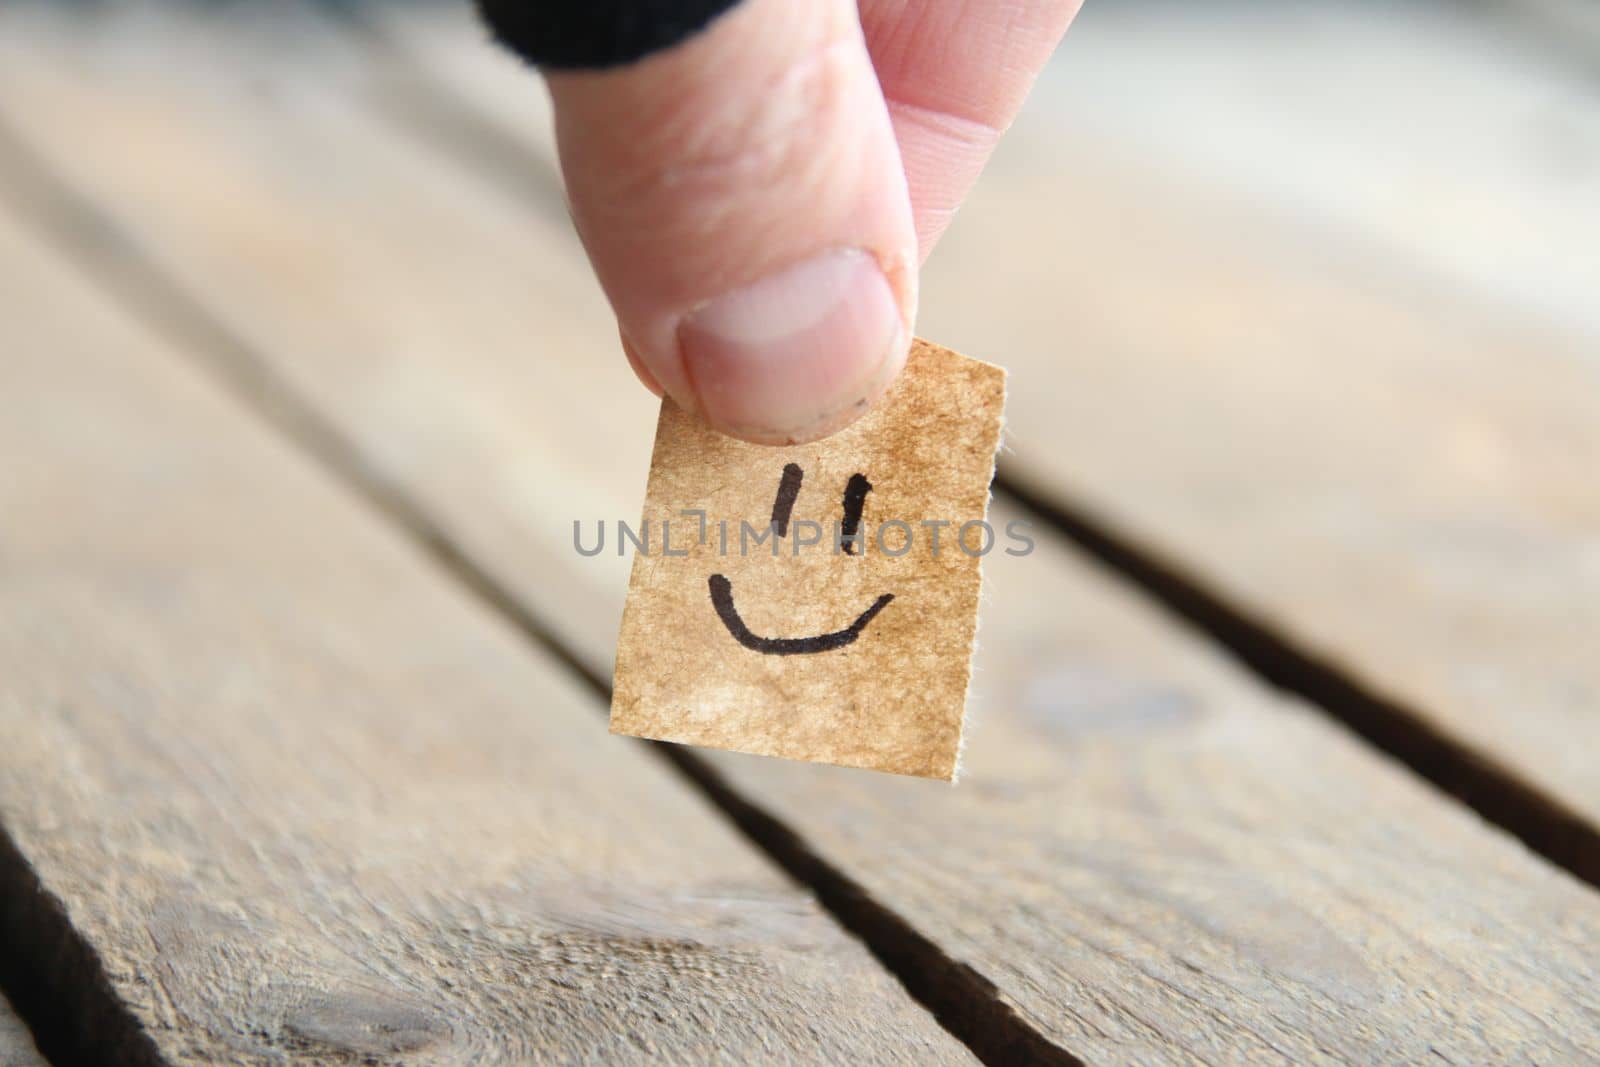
<point>1283,743</point>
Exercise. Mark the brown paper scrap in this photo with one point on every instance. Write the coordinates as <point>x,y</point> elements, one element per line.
<point>818,602</point>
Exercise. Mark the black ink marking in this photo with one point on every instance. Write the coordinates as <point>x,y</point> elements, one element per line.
<point>855,498</point>
<point>788,489</point>
<point>722,600</point>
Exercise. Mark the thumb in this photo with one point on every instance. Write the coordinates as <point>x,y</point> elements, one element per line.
<point>742,199</point>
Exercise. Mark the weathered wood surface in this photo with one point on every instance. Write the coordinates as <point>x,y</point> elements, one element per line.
<point>1365,408</point>
<point>306,800</point>
<point>1462,154</point>
<point>1362,402</point>
<point>212,149</point>
<point>1153,859</point>
<point>1332,355</point>
<point>16,1043</point>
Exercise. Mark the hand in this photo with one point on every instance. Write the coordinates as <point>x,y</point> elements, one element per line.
<point>757,198</point>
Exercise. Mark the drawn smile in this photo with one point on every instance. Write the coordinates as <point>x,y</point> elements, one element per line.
<point>722,600</point>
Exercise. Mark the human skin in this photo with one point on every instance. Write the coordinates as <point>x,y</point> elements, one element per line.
<point>757,199</point>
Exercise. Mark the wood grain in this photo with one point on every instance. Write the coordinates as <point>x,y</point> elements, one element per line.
<point>1391,471</point>
<point>306,801</point>
<point>1152,859</point>
<point>1329,354</point>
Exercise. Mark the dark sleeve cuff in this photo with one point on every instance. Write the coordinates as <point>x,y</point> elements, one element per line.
<point>593,34</point>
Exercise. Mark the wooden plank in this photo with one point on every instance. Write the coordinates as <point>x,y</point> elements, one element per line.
<point>209,201</point>
<point>16,1043</point>
<point>1150,857</point>
<point>1370,383</point>
<point>1365,423</point>
<point>1460,154</point>
<point>1379,448</point>
<point>1280,341</point>
<point>305,799</point>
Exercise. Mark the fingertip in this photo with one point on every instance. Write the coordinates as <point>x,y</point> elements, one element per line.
<point>799,354</point>
<point>640,370</point>
<point>744,204</point>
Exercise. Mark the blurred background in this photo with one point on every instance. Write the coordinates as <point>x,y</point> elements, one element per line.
<point>1298,300</point>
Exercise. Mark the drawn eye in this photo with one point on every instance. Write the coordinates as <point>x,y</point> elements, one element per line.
<point>788,489</point>
<point>855,498</point>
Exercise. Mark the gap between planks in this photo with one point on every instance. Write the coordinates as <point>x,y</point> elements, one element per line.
<point>1535,817</point>
<point>57,982</point>
<point>1074,925</point>
<point>1464,773</point>
<point>55,979</point>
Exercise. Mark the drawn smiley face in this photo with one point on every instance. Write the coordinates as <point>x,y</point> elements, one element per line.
<point>855,497</point>
<point>778,643</point>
